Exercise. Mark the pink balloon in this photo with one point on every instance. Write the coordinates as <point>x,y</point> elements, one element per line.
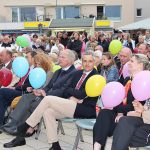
<point>113,94</point>
<point>125,71</point>
<point>140,86</point>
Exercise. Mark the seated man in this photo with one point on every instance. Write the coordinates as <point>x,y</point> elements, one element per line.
<point>55,87</point>
<point>8,94</point>
<point>6,59</point>
<point>75,104</point>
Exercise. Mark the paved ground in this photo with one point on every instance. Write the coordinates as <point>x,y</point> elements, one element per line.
<point>66,140</point>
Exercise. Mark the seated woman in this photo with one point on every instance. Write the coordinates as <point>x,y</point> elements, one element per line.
<point>109,69</point>
<point>42,60</point>
<point>107,119</point>
<point>134,129</point>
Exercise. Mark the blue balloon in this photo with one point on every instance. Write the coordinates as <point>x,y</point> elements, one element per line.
<point>20,66</point>
<point>37,78</point>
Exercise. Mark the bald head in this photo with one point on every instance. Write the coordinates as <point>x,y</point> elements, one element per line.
<point>6,56</point>
<point>125,55</point>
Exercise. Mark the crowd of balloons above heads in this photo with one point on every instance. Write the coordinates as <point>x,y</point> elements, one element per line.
<point>112,94</point>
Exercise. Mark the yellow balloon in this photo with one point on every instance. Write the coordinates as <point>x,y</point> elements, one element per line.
<point>95,85</point>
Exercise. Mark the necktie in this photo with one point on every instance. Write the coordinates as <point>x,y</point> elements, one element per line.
<point>120,71</point>
<point>80,81</point>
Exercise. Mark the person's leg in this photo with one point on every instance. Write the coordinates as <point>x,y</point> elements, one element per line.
<point>124,131</point>
<point>19,115</point>
<point>22,108</point>
<point>141,136</point>
<point>104,124</point>
<point>63,106</point>
<point>3,107</point>
<point>6,97</point>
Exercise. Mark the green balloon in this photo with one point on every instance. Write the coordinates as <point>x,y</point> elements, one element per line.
<point>22,41</point>
<point>115,47</point>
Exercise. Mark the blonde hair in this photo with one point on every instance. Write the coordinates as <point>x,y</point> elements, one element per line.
<point>141,58</point>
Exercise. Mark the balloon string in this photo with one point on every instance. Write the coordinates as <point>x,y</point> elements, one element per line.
<point>85,98</point>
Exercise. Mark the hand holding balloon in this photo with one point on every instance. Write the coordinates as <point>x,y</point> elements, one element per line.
<point>37,78</point>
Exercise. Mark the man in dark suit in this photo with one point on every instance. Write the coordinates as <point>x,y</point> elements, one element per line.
<point>6,59</point>
<point>56,87</point>
<point>8,94</point>
<point>75,104</point>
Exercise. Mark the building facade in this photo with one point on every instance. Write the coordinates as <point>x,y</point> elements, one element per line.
<point>120,12</point>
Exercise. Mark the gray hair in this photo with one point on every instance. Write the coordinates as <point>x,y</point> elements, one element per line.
<point>71,55</point>
<point>89,52</point>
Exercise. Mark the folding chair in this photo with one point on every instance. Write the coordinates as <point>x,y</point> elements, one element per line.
<point>86,124</point>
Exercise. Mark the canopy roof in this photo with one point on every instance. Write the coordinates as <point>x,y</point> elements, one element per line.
<point>143,24</point>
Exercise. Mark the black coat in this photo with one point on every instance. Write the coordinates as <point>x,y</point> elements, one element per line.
<point>87,108</point>
<point>58,83</point>
<point>75,45</point>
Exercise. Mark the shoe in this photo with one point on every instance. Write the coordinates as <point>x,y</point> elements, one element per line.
<point>18,141</point>
<point>10,130</point>
<point>51,148</point>
<point>30,134</point>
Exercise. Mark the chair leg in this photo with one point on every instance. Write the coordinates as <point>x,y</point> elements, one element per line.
<point>77,138</point>
<point>60,127</point>
<point>80,134</point>
<point>39,129</point>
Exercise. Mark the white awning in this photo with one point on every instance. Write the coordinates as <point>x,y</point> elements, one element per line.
<point>143,24</point>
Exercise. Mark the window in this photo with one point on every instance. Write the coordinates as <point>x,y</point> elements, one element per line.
<point>14,14</point>
<point>139,12</point>
<point>100,12</point>
<point>113,12</point>
<point>23,14</point>
<point>67,12</point>
<point>28,14</point>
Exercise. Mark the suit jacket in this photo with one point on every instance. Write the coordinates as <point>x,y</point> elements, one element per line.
<point>58,83</point>
<point>9,66</point>
<point>24,85</point>
<point>87,108</point>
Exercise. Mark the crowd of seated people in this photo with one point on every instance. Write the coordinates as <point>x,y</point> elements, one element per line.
<point>69,62</point>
